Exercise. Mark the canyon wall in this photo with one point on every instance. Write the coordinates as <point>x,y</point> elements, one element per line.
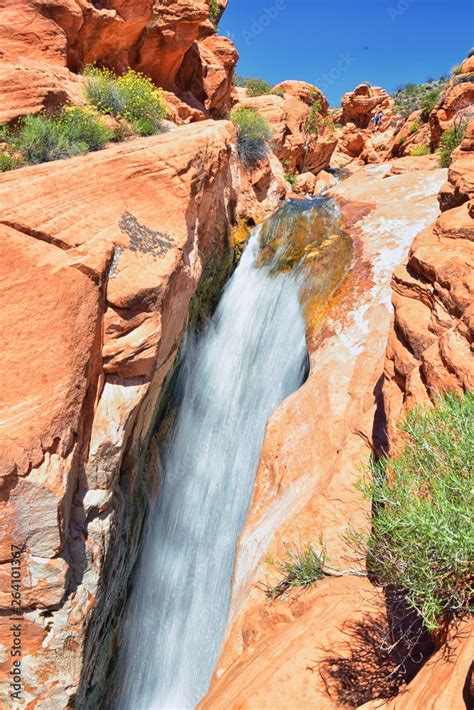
<point>101,255</point>
<point>431,343</point>
<point>45,45</point>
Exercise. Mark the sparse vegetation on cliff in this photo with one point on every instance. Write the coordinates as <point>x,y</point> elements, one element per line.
<point>131,97</point>
<point>422,540</point>
<point>411,97</point>
<point>253,135</point>
<point>301,568</point>
<point>450,140</point>
<point>39,138</point>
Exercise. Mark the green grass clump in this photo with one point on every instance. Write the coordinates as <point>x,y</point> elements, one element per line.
<point>73,131</point>
<point>132,97</point>
<point>450,140</point>
<point>414,127</point>
<point>256,86</point>
<point>420,150</point>
<point>422,540</point>
<point>301,568</point>
<point>457,70</point>
<point>8,162</point>
<point>253,135</point>
<point>214,12</point>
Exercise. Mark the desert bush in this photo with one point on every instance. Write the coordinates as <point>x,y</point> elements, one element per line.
<point>73,131</point>
<point>290,175</point>
<point>420,150</point>
<point>449,141</point>
<point>256,86</point>
<point>301,568</point>
<point>132,97</point>
<point>457,70</point>
<point>422,540</point>
<point>428,102</point>
<point>253,135</point>
<point>8,161</point>
<point>414,127</point>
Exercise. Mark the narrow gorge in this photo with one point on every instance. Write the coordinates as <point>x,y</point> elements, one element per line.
<point>230,314</point>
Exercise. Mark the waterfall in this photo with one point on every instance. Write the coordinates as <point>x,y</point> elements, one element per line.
<point>232,377</point>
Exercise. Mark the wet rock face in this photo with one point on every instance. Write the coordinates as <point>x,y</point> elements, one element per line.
<point>97,282</point>
<point>45,45</point>
<point>315,445</point>
<point>431,339</point>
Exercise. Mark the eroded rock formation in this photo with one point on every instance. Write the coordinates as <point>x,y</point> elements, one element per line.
<point>46,45</point>
<point>431,340</point>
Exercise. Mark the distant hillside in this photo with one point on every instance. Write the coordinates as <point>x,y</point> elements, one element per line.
<point>411,97</point>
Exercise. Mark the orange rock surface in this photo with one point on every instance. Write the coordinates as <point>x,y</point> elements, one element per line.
<point>46,44</point>
<point>361,105</point>
<point>431,340</point>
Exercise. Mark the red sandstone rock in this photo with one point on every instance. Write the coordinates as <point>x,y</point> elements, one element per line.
<point>430,347</point>
<point>289,649</point>
<point>444,682</point>
<point>207,72</point>
<point>361,105</point>
<point>307,93</point>
<point>456,104</point>
<point>44,45</point>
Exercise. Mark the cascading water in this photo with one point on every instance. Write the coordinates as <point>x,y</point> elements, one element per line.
<point>251,356</point>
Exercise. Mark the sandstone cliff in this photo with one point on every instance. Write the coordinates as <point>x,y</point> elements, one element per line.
<point>431,340</point>
<point>46,45</point>
<point>97,282</point>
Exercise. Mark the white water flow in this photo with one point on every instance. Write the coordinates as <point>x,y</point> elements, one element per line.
<point>251,356</point>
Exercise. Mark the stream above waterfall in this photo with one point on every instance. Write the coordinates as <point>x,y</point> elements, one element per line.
<point>231,378</point>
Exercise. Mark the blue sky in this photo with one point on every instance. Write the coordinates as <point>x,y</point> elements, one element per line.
<point>339,44</point>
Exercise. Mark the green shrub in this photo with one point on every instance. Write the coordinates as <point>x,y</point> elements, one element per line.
<point>301,568</point>
<point>428,102</point>
<point>132,97</point>
<point>8,162</point>
<point>253,135</point>
<point>449,141</point>
<point>422,540</point>
<point>420,150</point>
<point>414,127</point>
<point>73,131</point>
<point>256,86</point>
<point>214,12</point>
<point>290,175</point>
<point>457,69</point>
